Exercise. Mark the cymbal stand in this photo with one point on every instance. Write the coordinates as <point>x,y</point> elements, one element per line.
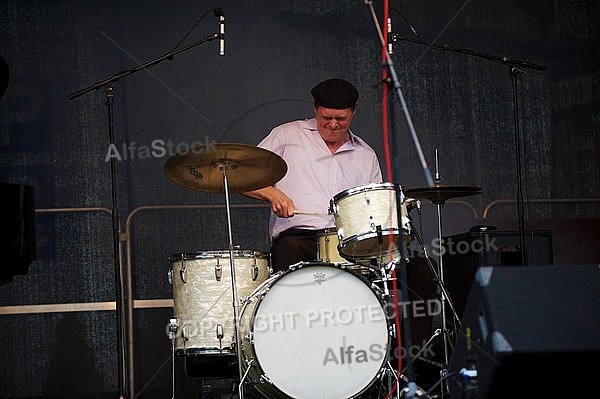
<point>238,345</point>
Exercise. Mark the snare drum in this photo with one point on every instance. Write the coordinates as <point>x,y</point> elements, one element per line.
<point>202,297</point>
<point>367,218</point>
<point>316,330</point>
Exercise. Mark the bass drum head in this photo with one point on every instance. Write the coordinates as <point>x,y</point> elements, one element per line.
<point>318,331</point>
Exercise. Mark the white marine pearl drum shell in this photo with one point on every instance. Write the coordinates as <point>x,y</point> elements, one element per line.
<point>203,298</point>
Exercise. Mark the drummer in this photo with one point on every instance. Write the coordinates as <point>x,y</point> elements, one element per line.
<point>324,157</point>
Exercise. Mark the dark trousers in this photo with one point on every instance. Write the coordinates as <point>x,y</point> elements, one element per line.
<point>293,246</point>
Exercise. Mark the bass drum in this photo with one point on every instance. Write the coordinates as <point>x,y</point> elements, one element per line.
<point>316,330</point>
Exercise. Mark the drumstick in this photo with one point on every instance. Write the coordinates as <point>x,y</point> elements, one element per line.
<point>297,212</point>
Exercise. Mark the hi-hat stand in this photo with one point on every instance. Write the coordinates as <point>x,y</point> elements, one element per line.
<point>438,195</point>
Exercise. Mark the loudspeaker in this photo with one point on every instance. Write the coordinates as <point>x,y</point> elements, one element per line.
<point>17,231</point>
<point>529,332</point>
<point>464,253</point>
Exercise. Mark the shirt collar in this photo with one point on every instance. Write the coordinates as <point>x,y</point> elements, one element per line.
<point>312,125</point>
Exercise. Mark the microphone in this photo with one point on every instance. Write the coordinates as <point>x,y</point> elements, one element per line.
<point>222,34</point>
<point>390,37</point>
<point>219,13</point>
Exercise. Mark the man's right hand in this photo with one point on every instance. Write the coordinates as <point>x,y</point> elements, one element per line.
<point>281,204</point>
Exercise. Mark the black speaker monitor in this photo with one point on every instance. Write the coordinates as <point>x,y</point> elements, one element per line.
<point>529,332</point>
<point>464,253</point>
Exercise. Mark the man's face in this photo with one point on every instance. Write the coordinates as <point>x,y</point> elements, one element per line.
<point>332,123</point>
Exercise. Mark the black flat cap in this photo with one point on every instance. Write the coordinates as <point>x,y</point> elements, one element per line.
<point>335,93</point>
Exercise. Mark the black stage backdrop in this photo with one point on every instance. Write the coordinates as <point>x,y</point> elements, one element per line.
<point>462,106</point>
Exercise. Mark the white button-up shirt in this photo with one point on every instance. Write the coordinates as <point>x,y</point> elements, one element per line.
<point>314,175</point>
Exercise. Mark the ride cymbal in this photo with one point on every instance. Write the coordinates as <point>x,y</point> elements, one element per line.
<point>247,168</point>
<point>441,192</point>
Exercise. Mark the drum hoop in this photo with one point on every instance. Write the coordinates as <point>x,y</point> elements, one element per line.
<point>218,254</point>
<point>371,234</point>
<point>337,265</point>
<point>366,187</point>
<point>327,232</point>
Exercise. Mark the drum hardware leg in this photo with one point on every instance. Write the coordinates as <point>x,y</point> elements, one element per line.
<point>427,344</point>
<point>173,327</point>
<point>386,275</point>
<point>397,378</point>
<point>394,379</point>
<point>243,378</point>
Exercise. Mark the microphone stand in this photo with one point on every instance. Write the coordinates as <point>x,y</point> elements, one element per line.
<point>515,68</point>
<point>125,378</point>
<point>411,389</point>
<point>168,56</point>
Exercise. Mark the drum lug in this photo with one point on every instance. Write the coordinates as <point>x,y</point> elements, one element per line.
<point>254,272</point>
<point>182,274</point>
<point>170,276</point>
<point>333,209</point>
<point>218,271</point>
<point>220,335</point>
<point>263,293</point>
<point>184,332</point>
<point>367,198</point>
